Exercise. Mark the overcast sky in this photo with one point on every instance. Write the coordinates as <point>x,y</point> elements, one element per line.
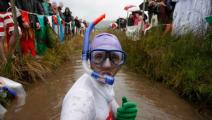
<point>90,9</point>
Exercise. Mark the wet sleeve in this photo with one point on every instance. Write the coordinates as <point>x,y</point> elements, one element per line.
<point>78,105</point>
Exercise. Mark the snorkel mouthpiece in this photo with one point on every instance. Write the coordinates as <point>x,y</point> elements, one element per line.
<point>85,54</point>
<point>105,79</point>
<point>109,80</point>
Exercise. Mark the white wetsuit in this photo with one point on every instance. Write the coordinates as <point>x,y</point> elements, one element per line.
<point>89,99</point>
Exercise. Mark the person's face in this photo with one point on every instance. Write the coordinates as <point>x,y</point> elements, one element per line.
<point>106,69</point>
<point>106,63</point>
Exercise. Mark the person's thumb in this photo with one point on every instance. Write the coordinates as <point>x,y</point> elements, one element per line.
<point>124,100</point>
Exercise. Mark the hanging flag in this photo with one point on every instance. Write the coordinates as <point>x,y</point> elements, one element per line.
<point>55,19</point>
<point>61,31</point>
<point>41,20</point>
<point>128,6</point>
<point>50,20</point>
<point>25,16</point>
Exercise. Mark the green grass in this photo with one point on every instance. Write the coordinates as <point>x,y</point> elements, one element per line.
<point>183,63</point>
<point>29,69</point>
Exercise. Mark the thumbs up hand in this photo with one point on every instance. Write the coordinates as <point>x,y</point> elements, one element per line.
<point>127,111</point>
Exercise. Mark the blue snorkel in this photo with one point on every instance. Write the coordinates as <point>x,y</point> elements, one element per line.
<point>85,54</point>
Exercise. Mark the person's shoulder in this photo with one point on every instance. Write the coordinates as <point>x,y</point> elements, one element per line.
<point>78,97</point>
<point>81,87</point>
<point>79,93</point>
<point>78,105</point>
<point>83,78</point>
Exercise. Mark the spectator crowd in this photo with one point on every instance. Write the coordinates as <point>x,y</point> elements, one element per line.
<point>35,19</point>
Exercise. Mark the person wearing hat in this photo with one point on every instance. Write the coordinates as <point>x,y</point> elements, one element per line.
<point>91,99</point>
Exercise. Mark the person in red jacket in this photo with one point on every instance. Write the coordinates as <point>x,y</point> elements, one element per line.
<point>27,41</point>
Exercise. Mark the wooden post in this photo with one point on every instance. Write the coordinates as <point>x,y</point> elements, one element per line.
<point>127,18</point>
<point>143,8</point>
<point>142,25</point>
<point>16,31</point>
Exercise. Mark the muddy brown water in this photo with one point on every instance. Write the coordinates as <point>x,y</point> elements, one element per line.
<point>155,102</point>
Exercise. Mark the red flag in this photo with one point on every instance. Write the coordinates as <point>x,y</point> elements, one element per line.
<point>25,16</point>
<point>128,6</point>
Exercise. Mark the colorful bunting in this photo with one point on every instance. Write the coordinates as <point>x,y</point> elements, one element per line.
<point>128,6</point>
<point>25,16</point>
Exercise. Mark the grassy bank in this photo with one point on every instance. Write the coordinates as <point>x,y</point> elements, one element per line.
<point>183,63</point>
<point>29,69</point>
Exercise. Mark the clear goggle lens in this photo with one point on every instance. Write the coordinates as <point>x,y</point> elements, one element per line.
<point>99,56</point>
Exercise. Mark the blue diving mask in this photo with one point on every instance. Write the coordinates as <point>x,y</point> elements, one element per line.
<point>99,56</point>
